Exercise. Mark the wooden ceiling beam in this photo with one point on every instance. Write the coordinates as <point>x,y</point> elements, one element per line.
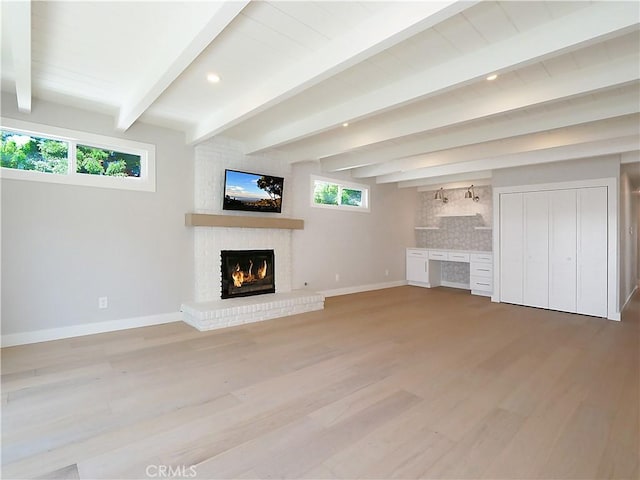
<point>612,105</point>
<point>17,17</point>
<point>533,157</point>
<point>624,71</point>
<point>553,38</point>
<point>373,36</point>
<point>600,130</point>
<point>165,72</point>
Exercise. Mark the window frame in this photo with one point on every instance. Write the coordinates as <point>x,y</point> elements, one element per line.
<point>365,189</point>
<point>146,182</point>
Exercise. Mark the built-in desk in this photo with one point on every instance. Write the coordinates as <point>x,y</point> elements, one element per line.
<point>424,268</point>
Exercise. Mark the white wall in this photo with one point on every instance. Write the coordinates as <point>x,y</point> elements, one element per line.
<point>357,246</point>
<point>64,246</point>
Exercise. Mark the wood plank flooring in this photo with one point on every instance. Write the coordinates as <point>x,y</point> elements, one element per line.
<point>397,383</point>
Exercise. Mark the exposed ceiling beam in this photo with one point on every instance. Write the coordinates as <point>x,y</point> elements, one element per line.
<point>601,130</point>
<point>18,15</point>
<point>478,179</point>
<point>558,36</point>
<point>623,102</point>
<point>534,157</point>
<point>376,34</point>
<point>166,71</point>
<point>618,73</point>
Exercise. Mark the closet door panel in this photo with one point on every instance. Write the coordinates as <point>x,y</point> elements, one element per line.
<point>592,227</point>
<point>536,249</point>
<point>511,247</point>
<point>562,250</point>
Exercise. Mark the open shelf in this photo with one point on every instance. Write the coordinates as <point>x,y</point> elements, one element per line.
<point>457,215</point>
<point>241,221</point>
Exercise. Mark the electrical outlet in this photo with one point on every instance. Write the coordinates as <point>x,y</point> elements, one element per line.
<point>386,272</point>
<point>103,302</point>
<point>337,277</point>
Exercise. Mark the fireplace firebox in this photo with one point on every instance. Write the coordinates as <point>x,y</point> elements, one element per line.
<point>247,272</point>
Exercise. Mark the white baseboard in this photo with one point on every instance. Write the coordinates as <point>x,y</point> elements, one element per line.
<point>362,288</point>
<point>37,336</point>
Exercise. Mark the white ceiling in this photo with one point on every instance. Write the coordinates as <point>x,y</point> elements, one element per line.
<point>408,77</point>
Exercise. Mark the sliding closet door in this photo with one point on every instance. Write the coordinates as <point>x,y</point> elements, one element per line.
<point>562,250</point>
<point>536,249</point>
<point>511,247</point>
<point>592,251</point>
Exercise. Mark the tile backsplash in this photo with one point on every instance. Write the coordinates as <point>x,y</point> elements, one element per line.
<point>455,232</point>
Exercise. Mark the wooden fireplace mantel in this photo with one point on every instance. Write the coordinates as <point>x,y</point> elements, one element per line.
<point>241,221</point>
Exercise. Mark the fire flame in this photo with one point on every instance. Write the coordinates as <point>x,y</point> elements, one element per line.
<point>239,277</point>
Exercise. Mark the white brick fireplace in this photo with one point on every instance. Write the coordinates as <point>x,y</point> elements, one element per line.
<point>208,310</point>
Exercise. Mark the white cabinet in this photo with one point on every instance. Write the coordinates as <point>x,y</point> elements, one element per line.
<point>481,274</point>
<point>458,257</point>
<point>553,249</point>
<point>562,250</point>
<point>424,268</point>
<point>417,267</point>
<point>592,252</point>
<point>511,247</point>
<point>536,250</point>
<point>438,255</point>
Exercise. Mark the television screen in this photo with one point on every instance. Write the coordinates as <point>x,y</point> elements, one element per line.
<point>252,192</point>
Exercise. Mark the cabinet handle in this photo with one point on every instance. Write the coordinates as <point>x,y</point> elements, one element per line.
<point>483,270</point>
<point>484,284</point>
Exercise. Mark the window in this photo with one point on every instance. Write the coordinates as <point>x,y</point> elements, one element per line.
<point>47,154</point>
<point>331,193</point>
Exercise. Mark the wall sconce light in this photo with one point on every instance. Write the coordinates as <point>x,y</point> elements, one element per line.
<point>471,193</point>
<point>441,196</point>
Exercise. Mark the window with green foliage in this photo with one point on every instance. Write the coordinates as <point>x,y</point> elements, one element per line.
<point>98,161</point>
<point>336,194</point>
<point>27,152</point>
<point>44,153</point>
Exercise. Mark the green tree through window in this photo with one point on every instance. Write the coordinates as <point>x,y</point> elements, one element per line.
<point>26,152</point>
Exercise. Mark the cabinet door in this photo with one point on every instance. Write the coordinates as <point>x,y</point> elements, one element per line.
<point>511,247</point>
<point>562,250</point>
<point>592,223</point>
<point>417,268</point>
<point>536,249</point>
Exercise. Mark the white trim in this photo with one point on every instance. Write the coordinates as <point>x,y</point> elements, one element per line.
<point>362,288</point>
<point>147,152</point>
<point>71,331</point>
<point>613,312</point>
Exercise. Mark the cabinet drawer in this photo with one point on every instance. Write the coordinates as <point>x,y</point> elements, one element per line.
<point>411,253</point>
<point>481,270</point>
<point>437,255</point>
<point>458,257</point>
<point>481,284</point>
<point>481,257</point>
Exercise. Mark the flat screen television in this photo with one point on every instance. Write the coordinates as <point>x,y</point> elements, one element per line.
<point>252,192</point>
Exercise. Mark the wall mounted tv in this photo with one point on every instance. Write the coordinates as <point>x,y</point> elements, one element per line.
<point>252,192</point>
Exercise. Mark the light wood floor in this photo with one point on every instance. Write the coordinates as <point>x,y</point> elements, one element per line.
<point>398,383</point>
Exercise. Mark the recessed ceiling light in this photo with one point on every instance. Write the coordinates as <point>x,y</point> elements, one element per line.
<point>492,77</point>
<point>345,124</point>
<point>213,78</point>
